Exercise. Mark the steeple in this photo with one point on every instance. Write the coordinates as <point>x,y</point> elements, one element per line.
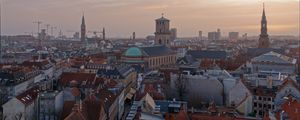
<point>83,29</point>
<point>264,37</point>
<point>264,14</point>
<point>83,21</point>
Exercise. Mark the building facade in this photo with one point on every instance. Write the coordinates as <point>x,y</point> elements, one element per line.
<point>162,32</point>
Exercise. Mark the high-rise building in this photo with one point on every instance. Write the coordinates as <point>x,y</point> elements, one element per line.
<point>133,36</point>
<point>200,35</point>
<point>173,33</point>
<point>83,29</point>
<point>162,33</point>
<point>216,35</point>
<point>263,41</point>
<point>233,36</point>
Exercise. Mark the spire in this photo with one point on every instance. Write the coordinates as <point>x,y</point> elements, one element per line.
<point>264,39</point>
<point>83,21</point>
<point>264,14</point>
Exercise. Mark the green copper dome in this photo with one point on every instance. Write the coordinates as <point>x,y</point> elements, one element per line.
<point>133,52</point>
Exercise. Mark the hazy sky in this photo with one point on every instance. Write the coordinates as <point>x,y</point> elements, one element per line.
<point>122,17</point>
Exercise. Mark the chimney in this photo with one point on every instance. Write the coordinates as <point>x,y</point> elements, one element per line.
<point>269,82</point>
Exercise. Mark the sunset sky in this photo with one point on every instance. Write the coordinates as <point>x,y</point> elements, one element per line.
<point>122,17</point>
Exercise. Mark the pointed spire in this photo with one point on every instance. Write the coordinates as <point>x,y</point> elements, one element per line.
<point>263,14</point>
<point>83,21</point>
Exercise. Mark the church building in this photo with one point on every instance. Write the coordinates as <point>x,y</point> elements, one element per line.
<point>156,55</point>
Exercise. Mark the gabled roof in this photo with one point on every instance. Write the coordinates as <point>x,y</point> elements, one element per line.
<point>274,57</point>
<point>206,54</point>
<point>28,96</point>
<point>79,77</point>
<point>91,109</point>
<point>157,50</point>
<point>120,70</point>
<point>288,81</point>
<point>254,52</point>
<point>188,59</point>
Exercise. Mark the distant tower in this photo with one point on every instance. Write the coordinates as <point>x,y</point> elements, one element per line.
<point>83,29</point>
<point>162,33</point>
<point>200,35</point>
<point>173,33</point>
<point>218,34</point>
<point>133,36</point>
<point>103,34</point>
<point>264,37</point>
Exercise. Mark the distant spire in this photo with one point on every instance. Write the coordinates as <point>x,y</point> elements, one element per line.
<point>264,39</point>
<point>162,15</point>
<point>83,21</point>
<point>264,14</point>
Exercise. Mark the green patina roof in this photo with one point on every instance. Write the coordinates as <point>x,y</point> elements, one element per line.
<point>133,52</point>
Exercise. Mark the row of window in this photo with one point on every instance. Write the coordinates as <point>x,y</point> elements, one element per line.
<point>263,98</point>
<point>260,105</point>
<point>160,41</point>
<point>161,60</point>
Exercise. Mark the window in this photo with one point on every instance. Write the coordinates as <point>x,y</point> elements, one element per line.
<point>260,105</point>
<point>269,106</point>
<point>255,104</point>
<point>260,112</point>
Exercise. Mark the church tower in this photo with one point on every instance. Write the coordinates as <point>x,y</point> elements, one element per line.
<point>264,37</point>
<point>162,33</point>
<point>83,29</point>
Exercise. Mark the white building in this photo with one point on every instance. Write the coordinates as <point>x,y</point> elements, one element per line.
<point>21,107</point>
<point>273,62</point>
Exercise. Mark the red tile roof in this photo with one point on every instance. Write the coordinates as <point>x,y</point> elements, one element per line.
<point>292,108</point>
<point>66,78</point>
<point>28,96</point>
<point>67,109</point>
<point>182,115</point>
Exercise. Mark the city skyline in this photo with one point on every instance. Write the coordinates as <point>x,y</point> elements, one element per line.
<point>188,17</point>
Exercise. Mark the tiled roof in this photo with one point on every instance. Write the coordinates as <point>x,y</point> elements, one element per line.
<point>28,96</point>
<point>288,81</point>
<point>79,77</point>
<point>91,109</point>
<point>182,115</point>
<point>291,108</point>
<point>274,57</point>
<point>67,109</point>
<point>254,52</point>
<point>205,54</point>
<point>157,50</point>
